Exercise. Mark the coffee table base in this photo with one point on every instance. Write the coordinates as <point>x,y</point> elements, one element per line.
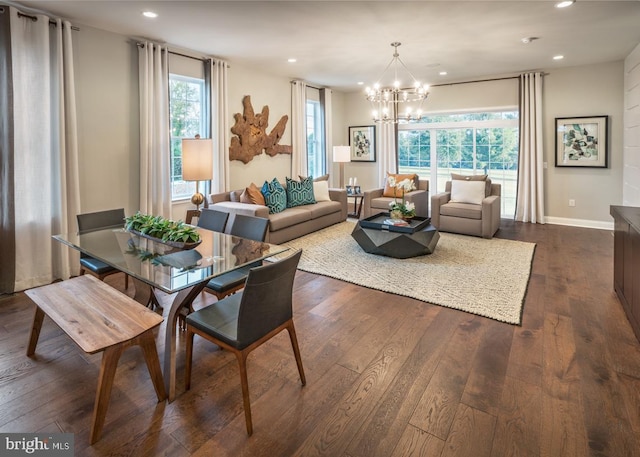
<point>396,244</point>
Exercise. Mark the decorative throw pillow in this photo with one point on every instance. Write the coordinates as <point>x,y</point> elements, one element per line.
<point>275,196</point>
<point>391,191</point>
<point>321,191</point>
<point>485,178</point>
<point>300,192</point>
<point>467,191</point>
<point>319,178</point>
<point>255,195</point>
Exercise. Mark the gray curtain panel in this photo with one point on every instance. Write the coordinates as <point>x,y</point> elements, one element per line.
<point>7,205</point>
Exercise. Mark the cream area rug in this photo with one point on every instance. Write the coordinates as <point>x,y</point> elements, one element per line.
<point>484,277</point>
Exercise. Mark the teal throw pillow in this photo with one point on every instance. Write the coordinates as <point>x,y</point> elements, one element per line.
<point>300,192</point>
<point>274,196</point>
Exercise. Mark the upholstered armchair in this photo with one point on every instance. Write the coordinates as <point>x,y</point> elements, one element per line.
<point>468,208</point>
<point>375,202</point>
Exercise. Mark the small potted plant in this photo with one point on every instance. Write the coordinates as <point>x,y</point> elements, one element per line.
<point>401,209</point>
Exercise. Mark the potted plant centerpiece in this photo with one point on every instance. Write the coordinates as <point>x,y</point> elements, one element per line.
<point>401,209</point>
<point>176,234</point>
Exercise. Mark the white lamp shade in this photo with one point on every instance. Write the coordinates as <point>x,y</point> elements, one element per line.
<point>342,154</point>
<point>197,159</point>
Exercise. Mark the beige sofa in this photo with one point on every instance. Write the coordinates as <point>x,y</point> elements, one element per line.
<point>375,203</point>
<point>290,223</point>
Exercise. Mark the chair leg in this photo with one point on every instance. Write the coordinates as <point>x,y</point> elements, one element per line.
<point>242,361</point>
<point>188,360</point>
<point>296,351</point>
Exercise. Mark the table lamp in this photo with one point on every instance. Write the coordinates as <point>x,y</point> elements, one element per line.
<point>197,164</point>
<point>341,155</point>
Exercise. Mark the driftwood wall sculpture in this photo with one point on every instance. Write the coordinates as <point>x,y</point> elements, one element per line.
<point>251,137</point>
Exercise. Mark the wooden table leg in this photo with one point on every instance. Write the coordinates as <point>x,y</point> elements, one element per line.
<point>148,345</point>
<point>35,331</point>
<point>108,367</point>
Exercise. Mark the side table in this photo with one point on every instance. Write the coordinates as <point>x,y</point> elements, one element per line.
<point>357,205</point>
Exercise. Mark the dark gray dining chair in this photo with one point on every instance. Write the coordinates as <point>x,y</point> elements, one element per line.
<point>249,227</point>
<point>89,222</point>
<point>242,322</point>
<point>213,220</point>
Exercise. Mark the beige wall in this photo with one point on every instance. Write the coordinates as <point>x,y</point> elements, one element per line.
<point>574,91</point>
<point>631,170</point>
<point>106,80</point>
<point>107,103</point>
<point>583,91</point>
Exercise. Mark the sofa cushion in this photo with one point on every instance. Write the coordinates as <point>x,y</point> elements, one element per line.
<point>465,210</point>
<point>274,196</point>
<point>300,192</point>
<point>323,208</point>
<point>392,191</point>
<point>467,191</point>
<point>289,217</point>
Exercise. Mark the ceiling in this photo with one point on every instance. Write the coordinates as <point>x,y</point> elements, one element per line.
<point>339,43</point>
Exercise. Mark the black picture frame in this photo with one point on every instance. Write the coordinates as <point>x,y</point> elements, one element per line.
<point>582,142</point>
<point>362,140</point>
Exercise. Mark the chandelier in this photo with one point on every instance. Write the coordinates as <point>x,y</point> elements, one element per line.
<point>398,102</point>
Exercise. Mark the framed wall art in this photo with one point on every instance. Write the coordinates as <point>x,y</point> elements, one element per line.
<point>362,140</point>
<point>582,141</point>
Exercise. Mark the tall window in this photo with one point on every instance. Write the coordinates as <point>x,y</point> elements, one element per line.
<point>470,143</point>
<point>315,138</point>
<point>186,110</point>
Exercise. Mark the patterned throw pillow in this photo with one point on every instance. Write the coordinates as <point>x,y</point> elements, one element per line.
<point>300,192</point>
<point>275,196</point>
<point>391,191</point>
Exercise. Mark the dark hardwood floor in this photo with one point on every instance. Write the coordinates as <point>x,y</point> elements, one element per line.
<point>386,375</point>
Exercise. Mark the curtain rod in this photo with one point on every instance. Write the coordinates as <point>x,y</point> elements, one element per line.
<point>203,59</point>
<point>293,81</point>
<point>479,81</point>
<point>51,21</point>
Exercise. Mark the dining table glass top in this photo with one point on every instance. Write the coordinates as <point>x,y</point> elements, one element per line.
<point>167,268</point>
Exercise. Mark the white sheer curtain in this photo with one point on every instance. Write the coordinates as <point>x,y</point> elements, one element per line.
<point>42,150</point>
<point>386,151</point>
<point>298,128</point>
<point>155,159</point>
<point>530,197</point>
<point>327,103</point>
<point>219,125</point>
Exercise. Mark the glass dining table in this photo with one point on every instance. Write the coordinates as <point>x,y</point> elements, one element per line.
<point>154,266</point>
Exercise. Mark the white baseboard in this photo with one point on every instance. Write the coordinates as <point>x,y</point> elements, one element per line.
<point>579,223</point>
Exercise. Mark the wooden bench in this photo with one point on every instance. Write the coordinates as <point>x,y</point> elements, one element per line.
<point>99,318</point>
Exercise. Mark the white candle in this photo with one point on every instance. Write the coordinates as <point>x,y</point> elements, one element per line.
<point>351,181</point>
<point>355,181</point>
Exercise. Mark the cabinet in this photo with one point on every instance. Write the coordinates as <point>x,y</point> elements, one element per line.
<point>626,261</point>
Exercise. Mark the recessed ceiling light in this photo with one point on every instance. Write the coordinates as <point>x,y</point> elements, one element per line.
<point>529,39</point>
<point>443,73</point>
<point>292,60</point>
<point>360,83</point>
<point>150,14</point>
<point>558,57</point>
<point>565,3</point>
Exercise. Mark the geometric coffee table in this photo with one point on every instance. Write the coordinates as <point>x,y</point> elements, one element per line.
<point>400,242</point>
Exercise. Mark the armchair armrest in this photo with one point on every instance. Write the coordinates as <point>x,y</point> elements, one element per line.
<point>490,215</point>
<point>366,201</point>
<point>437,201</point>
<point>420,198</point>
